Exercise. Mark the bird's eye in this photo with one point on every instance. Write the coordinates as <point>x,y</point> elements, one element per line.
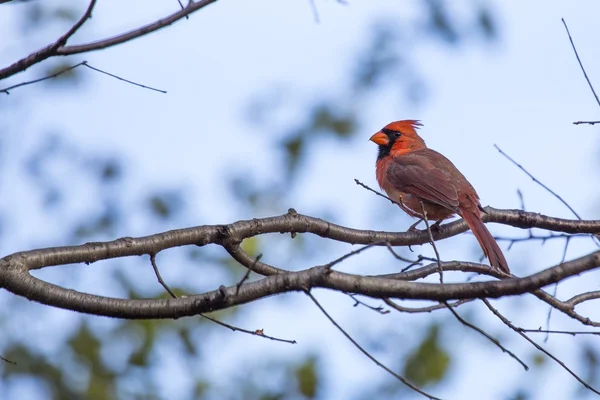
<point>392,134</point>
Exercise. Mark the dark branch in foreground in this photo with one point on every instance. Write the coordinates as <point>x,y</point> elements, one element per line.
<point>15,276</point>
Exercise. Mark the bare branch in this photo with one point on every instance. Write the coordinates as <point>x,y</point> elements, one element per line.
<point>378,309</point>
<point>359,183</point>
<point>48,51</point>
<point>85,64</point>
<point>366,353</point>
<point>586,122</point>
<point>258,332</point>
<point>580,298</point>
<point>160,279</point>
<point>247,274</point>
<point>572,333</point>
<point>537,346</point>
<point>15,277</point>
<point>432,241</point>
<point>553,193</point>
<point>62,71</point>
<point>190,8</point>
<point>59,48</point>
<point>123,79</point>
<point>486,335</point>
<point>428,309</point>
<point>580,63</point>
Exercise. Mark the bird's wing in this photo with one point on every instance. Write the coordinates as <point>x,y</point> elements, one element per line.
<point>424,176</point>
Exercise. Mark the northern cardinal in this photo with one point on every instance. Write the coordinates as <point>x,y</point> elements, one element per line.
<point>411,175</point>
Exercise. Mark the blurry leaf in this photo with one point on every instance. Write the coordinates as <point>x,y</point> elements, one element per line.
<point>272,396</point>
<point>189,345</point>
<point>429,363</point>
<point>66,75</point>
<point>293,147</point>
<point>29,363</point>
<point>440,23</point>
<point>487,23</point>
<point>148,330</point>
<point>102,224</point>
<point>67,14</point>
<point>200,388</point>
<point>86,346</point>
<point>251,246</point>
<point>539,360</point>
<point>110,170</point>
<point>164,205</point>
<point>380,58</point>
<point>591,359</point>
<point>33,15</point>
<point>307,378</point>
<point>520,395</point>
<point>324,119</point>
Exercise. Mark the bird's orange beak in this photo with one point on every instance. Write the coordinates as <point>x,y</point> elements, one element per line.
<point>380,138</point>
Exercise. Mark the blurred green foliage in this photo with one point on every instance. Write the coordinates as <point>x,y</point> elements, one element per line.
<point>429,362</point>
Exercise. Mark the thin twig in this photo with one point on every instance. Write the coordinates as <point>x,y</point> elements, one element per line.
<point>437,254</point>
<point>183,8</point>
<point>7,360</point>
<point>62,71</point>
<point>579,61</point>
<point>88,14</point>
<point>366,353</point>
<point>258,332</point>
<point>555,292</point>
<point>85,64</point>
<point>378,309</point>
<point>247,274</point>
<point>159,277</point>
<point>399,257</point>
<point>315,11</point>
<point>486,335</point>
<point>418,262</point>
<point>537,346</point>
<point>331,264</point>
<point>359,183</point>
<point>572,333</point>
<point>522,201</point>
<point>542,238</point>
<point>586,122</point>
<point>123,79</point>
<point>552,192</point>
<point>428,309</point>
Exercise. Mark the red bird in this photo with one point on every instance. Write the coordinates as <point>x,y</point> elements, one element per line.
<point>411,175</point>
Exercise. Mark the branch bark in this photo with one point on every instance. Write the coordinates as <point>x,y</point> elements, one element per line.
<point>59,47</point>
<point>15,269</point>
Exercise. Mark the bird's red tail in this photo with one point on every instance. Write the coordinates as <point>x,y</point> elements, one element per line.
<point>486,241</point>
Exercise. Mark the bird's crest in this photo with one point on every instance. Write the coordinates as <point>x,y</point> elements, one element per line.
<point>405,126</point>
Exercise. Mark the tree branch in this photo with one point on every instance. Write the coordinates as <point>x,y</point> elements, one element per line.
<point>59,48</point>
